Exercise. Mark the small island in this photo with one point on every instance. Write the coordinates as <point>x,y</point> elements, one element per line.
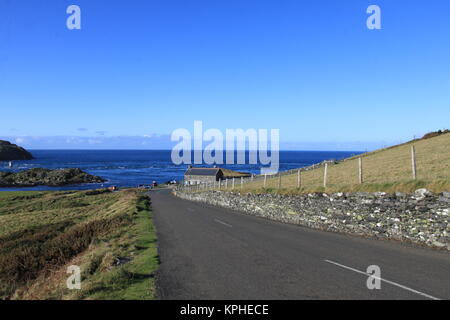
<point>46,177</point>
<point>9,152</point>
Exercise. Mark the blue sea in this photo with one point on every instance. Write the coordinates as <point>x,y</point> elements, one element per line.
<point>131,168</point>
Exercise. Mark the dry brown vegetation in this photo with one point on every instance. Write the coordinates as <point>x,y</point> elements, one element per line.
<point>387,170</point>
<point>43,232</point>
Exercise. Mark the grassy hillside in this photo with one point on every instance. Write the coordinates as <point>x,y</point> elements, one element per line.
<point>109,235</point>
<point>227,173</point>
<point>386,170</point>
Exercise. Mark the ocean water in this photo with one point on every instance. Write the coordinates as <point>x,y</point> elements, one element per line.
<point>130,168</point>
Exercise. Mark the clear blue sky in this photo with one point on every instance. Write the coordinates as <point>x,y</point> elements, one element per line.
<point>309,68</point>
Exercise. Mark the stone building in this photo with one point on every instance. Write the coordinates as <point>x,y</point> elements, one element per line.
<point>202,175</point>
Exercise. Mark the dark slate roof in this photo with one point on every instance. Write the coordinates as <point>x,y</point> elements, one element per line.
<point>202,172</point>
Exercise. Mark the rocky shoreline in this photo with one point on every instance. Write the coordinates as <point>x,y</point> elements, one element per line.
<point>46,177</point>
<point>421,218</point>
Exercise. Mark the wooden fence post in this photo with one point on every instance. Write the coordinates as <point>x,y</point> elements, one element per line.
<point>265,180</point>
<point>413,161</point>
<point>242,183</point>
<point>233,184</point>
<point>325,173</point>
<point>299,179</point>
<point>226,184</point>
<point>360,171</point>
<point>279,180</point>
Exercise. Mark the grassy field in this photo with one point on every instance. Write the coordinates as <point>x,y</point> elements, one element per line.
<point>227,173</point>
<point>387,170</point>
<point>110,236</point>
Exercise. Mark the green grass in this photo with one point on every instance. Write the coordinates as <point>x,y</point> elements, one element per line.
<point>227,173</point>
<point>8,194</point>
<point>44,232</point>
<point>387,170</point>
<point>134,280</point>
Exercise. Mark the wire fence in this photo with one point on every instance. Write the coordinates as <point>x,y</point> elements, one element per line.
<point>265,181</point>
<point>383,167</point>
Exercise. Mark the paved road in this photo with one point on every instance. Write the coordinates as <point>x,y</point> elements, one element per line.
<point>214,253</point>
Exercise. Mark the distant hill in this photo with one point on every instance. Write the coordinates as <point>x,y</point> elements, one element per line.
<point>9,151</point>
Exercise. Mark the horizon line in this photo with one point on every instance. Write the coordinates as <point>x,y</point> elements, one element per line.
<point>170,150</point>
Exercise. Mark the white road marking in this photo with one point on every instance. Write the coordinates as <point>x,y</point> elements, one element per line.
<point>381,279</point>
<point>225,224</point>
<point>190,209</point>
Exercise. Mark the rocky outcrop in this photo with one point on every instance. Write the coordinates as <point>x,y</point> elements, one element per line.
<point>46,177</point>
<point>9,151</point>
<point>421,217</point>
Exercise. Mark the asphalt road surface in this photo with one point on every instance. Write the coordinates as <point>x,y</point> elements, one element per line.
<point>214,253</point>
